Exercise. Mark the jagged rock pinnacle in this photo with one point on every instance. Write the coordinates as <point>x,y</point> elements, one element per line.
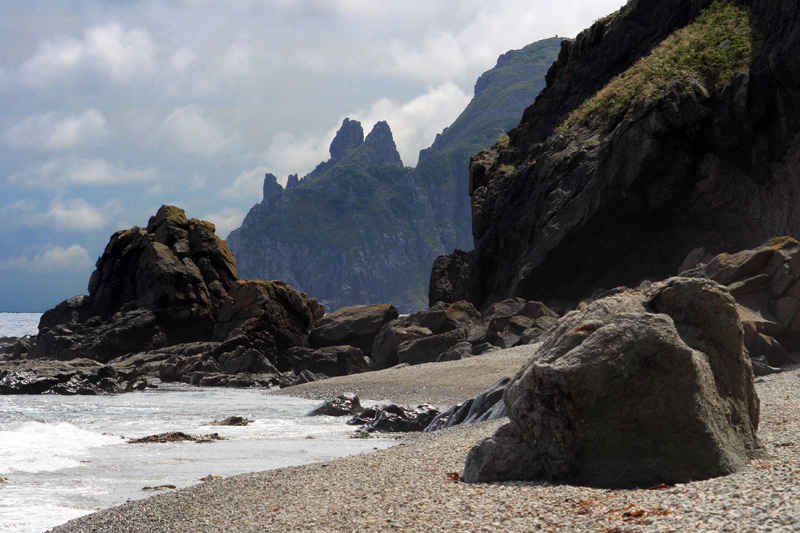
<point>380,146</point>
<point>349,136</point>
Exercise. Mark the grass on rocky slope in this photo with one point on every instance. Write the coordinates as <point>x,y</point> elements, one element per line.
<point>718,45</point>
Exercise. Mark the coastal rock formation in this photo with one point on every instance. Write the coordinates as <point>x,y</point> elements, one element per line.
<point>601,399</point>
<point>153,287</point>
<point>166,301</point>
<point>617,171</point>
<point>448,332</point>
<point>765,281</point>
<point>363,229</point>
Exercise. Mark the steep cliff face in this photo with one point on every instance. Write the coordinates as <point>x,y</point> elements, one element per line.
<point>362,228</point>
<point>665,127</point>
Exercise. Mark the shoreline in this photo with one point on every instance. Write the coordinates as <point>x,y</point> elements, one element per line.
<point>439,384</point>
<point>409,486</point>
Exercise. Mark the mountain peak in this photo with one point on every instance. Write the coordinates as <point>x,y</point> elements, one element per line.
<point>349,136</point>
<point>380,148</point>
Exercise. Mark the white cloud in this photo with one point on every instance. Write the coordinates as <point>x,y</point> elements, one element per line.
<point>290,154</point>
<point>74,216</point>
<point>246,186</point>
<point>415,123</point>
<point>74,171</point>
<point>414,126</point>
<point>58,131</point>
<point>195,132</point>
<point>51,259</point>
<point>111,50</point>
<point>226,220</point>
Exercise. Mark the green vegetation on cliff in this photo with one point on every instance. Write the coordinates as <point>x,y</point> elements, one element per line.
<point>722,42</point>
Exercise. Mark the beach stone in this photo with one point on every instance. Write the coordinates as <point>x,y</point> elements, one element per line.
<point>394,418</point>
<point>428,349</point>
<point>390,338</point>
<point>356,325</point>
<point>331,360</point>
<point>236,420</point>
<point>346,404</point>
<point>600,399</point>
<point>458,351</point>
<point>176,436</point>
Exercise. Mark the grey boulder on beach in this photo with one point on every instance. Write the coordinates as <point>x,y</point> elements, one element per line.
<point>640,388</point>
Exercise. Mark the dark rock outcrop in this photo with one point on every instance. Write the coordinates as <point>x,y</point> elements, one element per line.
<point>165,301</point>
<point>488,405</point>
<point>394,418</point>
<point>346,404</point>
<point>451,332</point>
<point>600,400</point>
<point>329,361</point>
<point>562,208</point>
<point>152,287</point>
<point>177,436</point>
<point>356,326</point>
<point>765,281</point>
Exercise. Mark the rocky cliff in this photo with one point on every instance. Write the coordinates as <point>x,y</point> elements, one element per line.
<point>664,127</point>
<point>361,227</point>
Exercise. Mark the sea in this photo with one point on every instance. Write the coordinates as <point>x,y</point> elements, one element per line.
<point>62,457</point>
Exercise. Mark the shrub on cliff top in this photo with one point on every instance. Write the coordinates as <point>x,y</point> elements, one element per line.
<point>720,43</point>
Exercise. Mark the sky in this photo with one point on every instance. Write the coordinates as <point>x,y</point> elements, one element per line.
<point>111,108</point>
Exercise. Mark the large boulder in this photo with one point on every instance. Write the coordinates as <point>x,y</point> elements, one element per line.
<point>356,325</point>
<point>637,389</point>
<point>330,361</point>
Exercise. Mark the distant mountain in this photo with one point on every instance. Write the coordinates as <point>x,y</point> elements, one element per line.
<point>362,228</point>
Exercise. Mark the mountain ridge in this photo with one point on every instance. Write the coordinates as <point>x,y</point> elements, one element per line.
<point>361,227</point>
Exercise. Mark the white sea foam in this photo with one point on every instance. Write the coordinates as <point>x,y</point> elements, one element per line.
<point>68,455</point>
<point>40,447</point>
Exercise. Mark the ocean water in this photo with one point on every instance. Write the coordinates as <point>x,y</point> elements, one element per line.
<point>19,324</point>
<point>65,456</point>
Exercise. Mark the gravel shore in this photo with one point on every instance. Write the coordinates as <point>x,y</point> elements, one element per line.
<point>413,486</point>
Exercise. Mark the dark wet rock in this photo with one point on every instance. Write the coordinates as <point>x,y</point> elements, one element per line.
<point>600,399</point>
<point>356,325</point>
<point>305,376</point>
<point>176,436</point>
<point>80,376</point>
<point>331,361</point>
<point>346,404</point>
<point>394,418</point>
<point>236,420</point>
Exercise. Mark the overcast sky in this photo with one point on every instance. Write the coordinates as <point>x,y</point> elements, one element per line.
<point>111,108</point>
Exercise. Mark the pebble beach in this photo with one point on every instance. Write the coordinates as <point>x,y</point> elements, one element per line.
<point>415,486</point>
